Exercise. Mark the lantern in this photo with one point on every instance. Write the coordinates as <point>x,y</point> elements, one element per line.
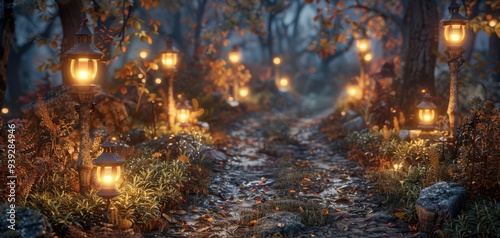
<point>83,56</point>
<point>234,55</point>
<point>244,91</point>
<point>368,57</point>
<point>108,170</point>
<point>169,56</point>
<point>426,113</point>
<point>283,84</point>
<point>454,26</point>
<point>143,54</point>
<point>363,43</point>
<point>354,91</point>
<point>184,109</point>
<point>276,60</point>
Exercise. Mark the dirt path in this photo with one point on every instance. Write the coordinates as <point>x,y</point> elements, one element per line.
<point>279,178</point>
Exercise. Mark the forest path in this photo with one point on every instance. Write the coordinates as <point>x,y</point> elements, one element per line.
<point>280,178</point>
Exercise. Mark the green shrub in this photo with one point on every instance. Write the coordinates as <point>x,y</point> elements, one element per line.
<point>481,219</point>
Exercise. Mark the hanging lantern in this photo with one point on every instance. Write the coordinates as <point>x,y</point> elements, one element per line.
<point>83,56</point>
<point>184,110</point>
<point>454,26</point>
<point>426,113</point>
<point>108,170</point>
<point>169,57</point>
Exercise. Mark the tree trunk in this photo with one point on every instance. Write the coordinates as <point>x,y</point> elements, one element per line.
<point>7,31</point>
<point>420,59</point>
<point>71,15</point>
<point>197,51</point>
<point>494,59</point>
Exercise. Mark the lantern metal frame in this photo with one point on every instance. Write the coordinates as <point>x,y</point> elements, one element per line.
<point>83,54</point>
<point>454,22</point>
<point>112,160</point>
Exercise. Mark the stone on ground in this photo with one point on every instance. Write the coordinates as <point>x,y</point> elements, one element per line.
<point>437,203</point>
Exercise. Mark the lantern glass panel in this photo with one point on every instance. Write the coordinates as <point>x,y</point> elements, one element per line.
<point>426,115</point>
<point>234,56</point>
<point>454,33</point>
<point>83,69</point>
<point>363,44</point>
<point>169,59</point>
<point>183,115</point>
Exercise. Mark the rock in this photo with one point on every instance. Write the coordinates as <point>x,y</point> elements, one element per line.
<point>437,203</point>
<point>356,124</point>
<point>216,155</point>
<point>282,222</point>
<point>404,135</point>
<point>28,223</point>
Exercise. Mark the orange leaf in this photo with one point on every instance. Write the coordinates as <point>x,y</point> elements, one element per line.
<point>252,223</point>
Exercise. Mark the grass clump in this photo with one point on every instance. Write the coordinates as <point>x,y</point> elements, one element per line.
<point>480,219</point>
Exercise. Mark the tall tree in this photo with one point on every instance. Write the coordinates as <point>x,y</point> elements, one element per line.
<point>6,34</point>
<point>420,59</point>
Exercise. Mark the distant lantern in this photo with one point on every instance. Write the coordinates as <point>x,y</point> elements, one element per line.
<point>5,110</point>
<point>454,26</point>
<point>184,110</point>
<point>143,54</point>
<point>426,113</point>
<point>234,55</point>
<point>277,60</point>
<point>283,84</point>
<point>354,91</point>
<point>169,57</point>
<point>244,91</point>
<point>363,43</point>
<point>108,170</point>
<point>83,56</point>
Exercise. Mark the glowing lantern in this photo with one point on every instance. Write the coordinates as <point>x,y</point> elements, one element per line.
<point>363,44</point>
<point>83,56</point>
<point>5,110</point>
<point>143,54</point>
<point>354,91</point>
<point>244,91</point>
<point>108,170</point>
<point>234,55</point>
<point>283,84</point>
<point>169,56</point>
<point>426,113</point>
<point>184,109</point>
<point>277,60</point>
<point>454,26</point>
<point>368,57</point>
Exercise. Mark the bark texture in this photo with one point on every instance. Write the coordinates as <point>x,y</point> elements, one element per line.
<point>420,59</point>
<point>7,31</point>
<point>71,15</point>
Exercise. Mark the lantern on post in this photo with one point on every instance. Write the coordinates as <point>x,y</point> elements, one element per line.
<point>108,170</point>
<point>454,35</point>
<point>83,58</point>
<point>426,113</point>
<point>169,58</point>
<point>184,110</point>
<point>354,91</point>
<point>363,45</point>
<point>235,58</point>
